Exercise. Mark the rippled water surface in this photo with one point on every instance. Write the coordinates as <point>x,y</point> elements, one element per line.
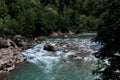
<point>48,65</point>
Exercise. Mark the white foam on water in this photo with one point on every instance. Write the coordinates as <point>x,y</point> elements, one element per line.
<point>66,55</point>
<point>48,59</point>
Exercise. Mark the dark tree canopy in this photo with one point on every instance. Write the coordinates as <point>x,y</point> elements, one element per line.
<point>109,36</point>
<point>32,18</point>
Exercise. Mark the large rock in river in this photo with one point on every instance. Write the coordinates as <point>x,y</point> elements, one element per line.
<point>50,47</point>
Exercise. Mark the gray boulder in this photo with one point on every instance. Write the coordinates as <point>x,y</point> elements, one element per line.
<point>4,43</point>
<point>50,47</point>
<point>19,40</point>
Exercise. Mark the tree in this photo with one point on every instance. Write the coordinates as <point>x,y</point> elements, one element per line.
<point>3,9</point>
<point>108,36</point>
<point>42,17</point>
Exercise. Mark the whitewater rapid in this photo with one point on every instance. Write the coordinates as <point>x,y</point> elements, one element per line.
<point>73,61</point>
<point>49,59</point>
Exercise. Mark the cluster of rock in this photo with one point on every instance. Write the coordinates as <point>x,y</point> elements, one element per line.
<point>9,57</point>
<point>71,48</point>
<point>11,52</point>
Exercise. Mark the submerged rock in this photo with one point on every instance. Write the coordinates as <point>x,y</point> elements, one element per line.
<point>81,56</point>
<point>75,50</point>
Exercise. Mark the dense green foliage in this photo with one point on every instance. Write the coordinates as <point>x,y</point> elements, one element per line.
<point>31,18</point>
<point>42,17</point>
<point>108,35</point>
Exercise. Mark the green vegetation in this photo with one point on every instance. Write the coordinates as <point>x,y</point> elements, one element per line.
<point>108,35</point>
<point>32,18</point>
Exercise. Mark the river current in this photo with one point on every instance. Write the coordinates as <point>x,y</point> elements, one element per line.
<point>50,65</point>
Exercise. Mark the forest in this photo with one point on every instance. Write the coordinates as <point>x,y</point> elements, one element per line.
<point>33,18</point>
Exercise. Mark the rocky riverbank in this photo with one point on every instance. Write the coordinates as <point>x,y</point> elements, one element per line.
<point>11,52</point>
<point>9,57</point>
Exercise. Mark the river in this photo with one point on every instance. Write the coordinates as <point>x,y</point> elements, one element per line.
<point>50,65</point>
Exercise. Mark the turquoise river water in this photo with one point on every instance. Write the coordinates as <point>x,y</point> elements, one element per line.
<point>42,65</point>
